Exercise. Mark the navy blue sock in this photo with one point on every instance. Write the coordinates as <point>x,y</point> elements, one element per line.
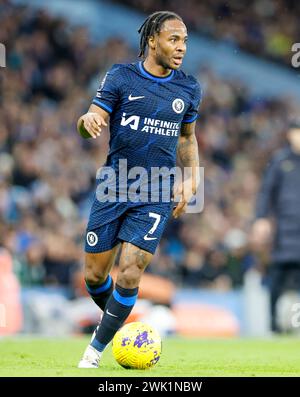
<point>117,309</point>
<point>101,293</point>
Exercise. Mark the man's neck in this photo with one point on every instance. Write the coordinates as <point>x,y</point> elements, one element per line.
<point>157,70</point>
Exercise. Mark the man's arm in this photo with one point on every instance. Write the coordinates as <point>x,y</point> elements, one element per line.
<point>265,197</point>
<point>89,125</point>
<point>262,227</point>
<point>187,150</point>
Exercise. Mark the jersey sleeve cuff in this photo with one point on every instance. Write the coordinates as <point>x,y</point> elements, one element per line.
<point>102,105</point>
<point>191,119</point>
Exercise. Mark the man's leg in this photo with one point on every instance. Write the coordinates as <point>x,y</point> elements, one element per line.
<point>143,227</point>
<point>99,283</point>
<point>133,262</point>
<point>100,286</point>
<point>276,283</point>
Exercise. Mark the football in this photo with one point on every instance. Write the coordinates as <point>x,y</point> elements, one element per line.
<point>137,346</point>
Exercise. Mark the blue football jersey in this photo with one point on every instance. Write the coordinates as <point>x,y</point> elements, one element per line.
<point>146,113</point>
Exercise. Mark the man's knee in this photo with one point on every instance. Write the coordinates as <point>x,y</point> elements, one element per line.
<point>94,271</point>
<point>129,277</point>
<point>133,262</point>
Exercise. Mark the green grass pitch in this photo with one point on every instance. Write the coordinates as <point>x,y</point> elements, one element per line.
<point>180,357</point>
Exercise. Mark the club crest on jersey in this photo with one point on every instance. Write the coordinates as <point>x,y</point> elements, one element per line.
<point>92,239</point>
<point>178,105</point>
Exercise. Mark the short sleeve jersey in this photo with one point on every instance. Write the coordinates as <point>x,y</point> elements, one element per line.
<point>146,114</point>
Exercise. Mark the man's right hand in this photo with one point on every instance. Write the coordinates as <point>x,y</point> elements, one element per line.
<point>89,125</point>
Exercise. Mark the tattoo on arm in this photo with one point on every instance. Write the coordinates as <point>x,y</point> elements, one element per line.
<point>187,146</point>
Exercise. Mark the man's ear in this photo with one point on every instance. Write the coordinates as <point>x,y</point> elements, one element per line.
<point>152,42</point>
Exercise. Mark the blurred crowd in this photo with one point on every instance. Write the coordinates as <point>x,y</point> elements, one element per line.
<point>47,171</point>
<point>267,28</point>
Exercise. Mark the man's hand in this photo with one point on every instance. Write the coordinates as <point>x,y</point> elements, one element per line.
<point>261,232</point>
<point>89,125</point>
<point>185,190</point>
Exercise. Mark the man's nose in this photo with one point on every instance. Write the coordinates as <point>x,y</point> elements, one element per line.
<point>181,47</point>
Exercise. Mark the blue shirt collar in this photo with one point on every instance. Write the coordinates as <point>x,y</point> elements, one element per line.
<point>152,77</point>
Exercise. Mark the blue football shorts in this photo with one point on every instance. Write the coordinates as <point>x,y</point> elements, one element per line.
<point>141,224</point>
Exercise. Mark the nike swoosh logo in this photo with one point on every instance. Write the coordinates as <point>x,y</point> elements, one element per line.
<point>147,238</point>
<point>134,98</point>
<point>110,314</point>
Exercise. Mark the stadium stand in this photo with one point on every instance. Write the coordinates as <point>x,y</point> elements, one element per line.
<point>266,28</point>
